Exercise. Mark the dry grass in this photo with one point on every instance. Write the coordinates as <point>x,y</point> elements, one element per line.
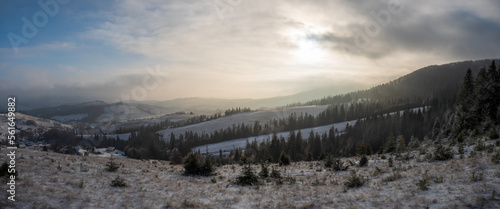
<point>84,183</point>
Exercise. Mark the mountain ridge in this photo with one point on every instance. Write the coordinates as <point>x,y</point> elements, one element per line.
<point>442,79</point>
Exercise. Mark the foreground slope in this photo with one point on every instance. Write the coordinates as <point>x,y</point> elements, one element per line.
<point>50,180</point>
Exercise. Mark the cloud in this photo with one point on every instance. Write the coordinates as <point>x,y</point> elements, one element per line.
<point>446,30</point>
<point>40,86</point>
<point>187,31</point>
<point>251,50</point>
<point>28,52</point>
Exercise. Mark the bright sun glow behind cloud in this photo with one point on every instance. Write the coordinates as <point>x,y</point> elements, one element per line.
<point>306,49</point>
<point>256,49</point>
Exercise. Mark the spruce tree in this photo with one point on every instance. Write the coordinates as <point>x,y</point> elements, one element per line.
<point>329,161</point>
<point>111,166</point>
<point>247,177</point>
<point>362,148</point>
<point>175,157</point>
<point>191,164</point>
<point>401,144</point>
<point>481,97</point>
<point>414,143</point>
<point>207,169</point>
<point>317,147</point>
<point>172,141</point>
<point>464,119</point>
<point>363,161</point>
<point>436,128</point>
<point>284,159</point>
<point>275,147</point>
<point>391,145</point>
<point>492,91</point>
<point>264,170</point>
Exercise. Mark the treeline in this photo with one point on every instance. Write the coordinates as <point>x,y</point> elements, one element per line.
<point>233,111</point>
<point>60,138</point>
<point>375,133</point>
<point>204,118</point>
<point>478,105</point>
<point>113,142</point>
<point>436,81</point>
<point>195,120</point>
<point>157,126</point>
<point>146,144</point>
<point>171,124</point>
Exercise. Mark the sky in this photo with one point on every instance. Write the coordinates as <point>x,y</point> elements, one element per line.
<point>64,51</point>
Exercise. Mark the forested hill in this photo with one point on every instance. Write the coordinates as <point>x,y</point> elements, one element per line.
<point>421,106</point>
<point>435,81</point>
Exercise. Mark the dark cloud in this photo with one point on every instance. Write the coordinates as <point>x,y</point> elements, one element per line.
<point>460,33</point>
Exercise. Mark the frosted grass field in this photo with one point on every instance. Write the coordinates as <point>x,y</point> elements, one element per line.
<point>82,182</point>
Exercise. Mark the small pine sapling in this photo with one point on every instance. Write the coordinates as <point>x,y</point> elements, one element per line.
<point>363,161</point>
<point>111,166</point>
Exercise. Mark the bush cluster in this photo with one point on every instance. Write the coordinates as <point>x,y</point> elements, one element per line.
<point>363,161</point>
<point>275,173</point>
<point>247,177</point>
<point>443,153</point>
<point>338,165</point>
<point>118,182</point>
<point>284,159</point>
<point>264,170</point>
<point>193,165</point>
<point>423,184</point>
<point>354,180</point>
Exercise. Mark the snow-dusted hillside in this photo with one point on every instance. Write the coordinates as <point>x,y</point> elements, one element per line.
<point>129,111</point>
<point>241,143</point>
<point>98,111</point>
<point>31,123</point>
<point>262,116</point>
<point>51,180</point>
<point>111,127</point>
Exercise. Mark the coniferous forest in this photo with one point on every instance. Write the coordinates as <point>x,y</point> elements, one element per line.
<point>420,106</point>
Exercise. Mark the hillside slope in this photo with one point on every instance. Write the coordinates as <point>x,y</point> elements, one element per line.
<point>98,111</point>
<point>82,182</point>
<point>262,116</point>
<point>31,124</point>
<point>435,81</point>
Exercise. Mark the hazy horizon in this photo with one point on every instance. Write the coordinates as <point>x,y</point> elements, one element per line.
<point>163,50</point>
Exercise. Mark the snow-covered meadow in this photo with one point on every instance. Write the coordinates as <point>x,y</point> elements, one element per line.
<point>262,116</point>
